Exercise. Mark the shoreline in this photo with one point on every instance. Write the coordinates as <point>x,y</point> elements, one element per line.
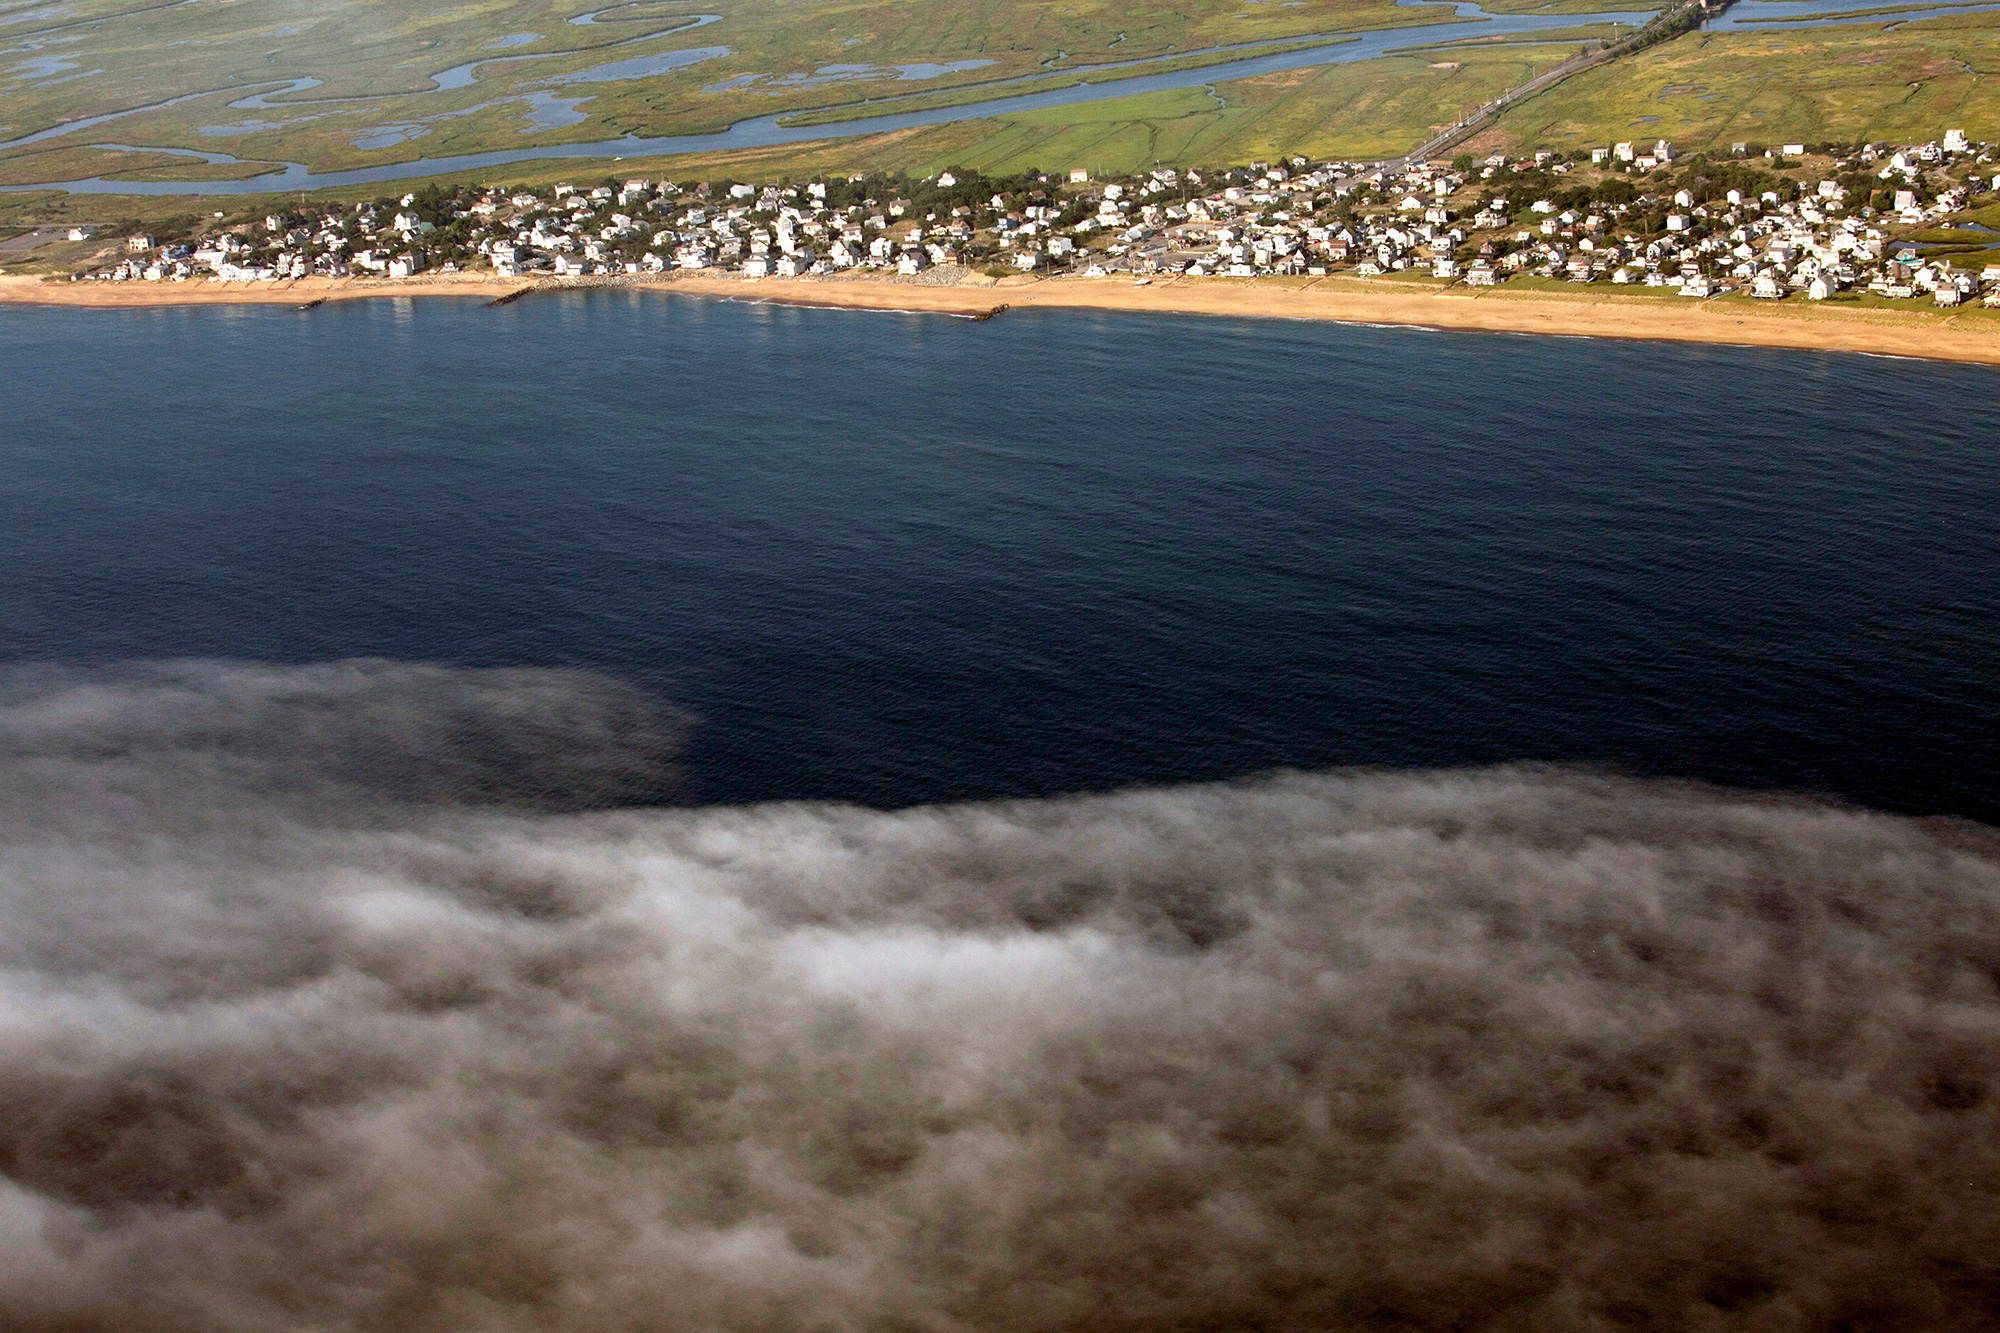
<point>1795,325</point>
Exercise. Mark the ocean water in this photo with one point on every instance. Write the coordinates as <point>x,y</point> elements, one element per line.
<point>893,559</point>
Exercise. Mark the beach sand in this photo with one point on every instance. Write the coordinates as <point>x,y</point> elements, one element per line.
<point>23,289</point>
<point>1970,336</point>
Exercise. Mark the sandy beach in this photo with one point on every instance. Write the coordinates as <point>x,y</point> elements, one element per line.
<point>20,289</point>
<point>1968,336</point>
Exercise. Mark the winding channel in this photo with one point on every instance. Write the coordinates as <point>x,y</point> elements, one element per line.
<point>772,131</point>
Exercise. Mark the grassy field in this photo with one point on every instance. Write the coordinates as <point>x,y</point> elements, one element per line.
<point>1889,80</point>
<point>376,99</point>
<point>1365,109</point>
<point>1894,82</point>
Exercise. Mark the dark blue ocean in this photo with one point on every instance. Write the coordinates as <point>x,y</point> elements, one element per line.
<point>895,559</point>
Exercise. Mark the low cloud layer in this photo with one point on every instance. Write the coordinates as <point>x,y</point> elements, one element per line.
<point>338,999</point>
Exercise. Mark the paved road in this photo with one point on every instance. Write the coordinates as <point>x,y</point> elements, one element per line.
<point>1479,119</point>
<point>33,240</point>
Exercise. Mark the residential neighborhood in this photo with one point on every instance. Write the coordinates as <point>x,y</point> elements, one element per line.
<point>1786,221</point>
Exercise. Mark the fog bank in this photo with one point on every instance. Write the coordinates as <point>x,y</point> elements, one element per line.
<point>345,998</point>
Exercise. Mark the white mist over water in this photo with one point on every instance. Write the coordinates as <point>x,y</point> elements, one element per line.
<point>334,997</point>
